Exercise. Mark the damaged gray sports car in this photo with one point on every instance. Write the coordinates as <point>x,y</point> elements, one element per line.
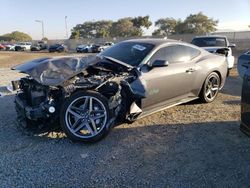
<point>130,80</point>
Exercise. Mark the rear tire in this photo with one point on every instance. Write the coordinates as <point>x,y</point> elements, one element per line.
<point>210,88</point>
<point>85,116</point>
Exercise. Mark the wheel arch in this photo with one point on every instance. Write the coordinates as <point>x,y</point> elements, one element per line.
<point>217,72</point>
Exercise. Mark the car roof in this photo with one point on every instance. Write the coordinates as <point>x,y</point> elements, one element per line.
<point>156,42</point>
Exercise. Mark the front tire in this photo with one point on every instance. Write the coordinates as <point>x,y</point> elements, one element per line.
<point>210,88</point>
<point>85,116</point>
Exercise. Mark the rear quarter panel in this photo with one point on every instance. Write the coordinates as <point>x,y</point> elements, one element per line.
<point>207,64</point>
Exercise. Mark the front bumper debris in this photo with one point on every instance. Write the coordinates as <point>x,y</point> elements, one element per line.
<point>26,111</point>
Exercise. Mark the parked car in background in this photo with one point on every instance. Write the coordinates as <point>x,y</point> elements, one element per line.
<point>127,81</point>
<point>10,47</point>
<point>2,47</point>
<point>216,44</point>
<point>23,46</point>
<point>243,67</point>
<point>57,48</point>
<point>96,48</point>
<point>35,47</point>
<point>106,45</point>
<point>101,47</point>
<point>41,45</point>
<point>84,48</point>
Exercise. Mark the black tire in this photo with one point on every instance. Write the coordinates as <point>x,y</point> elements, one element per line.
<point>66,117</point>
<point>210,88</point>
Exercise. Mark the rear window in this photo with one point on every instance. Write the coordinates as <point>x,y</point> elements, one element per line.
<point>209,41</point>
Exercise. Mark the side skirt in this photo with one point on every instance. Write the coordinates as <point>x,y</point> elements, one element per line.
<point>163,107</point>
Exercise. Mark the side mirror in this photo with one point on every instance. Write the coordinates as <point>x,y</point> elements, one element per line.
<point>159,63</point>
<point>232,46</point>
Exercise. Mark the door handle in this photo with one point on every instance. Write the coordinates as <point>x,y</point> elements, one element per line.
<point>190,70</point>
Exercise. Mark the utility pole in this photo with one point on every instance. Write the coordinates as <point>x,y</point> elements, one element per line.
<point>66,26</point>
<point>40,21</point>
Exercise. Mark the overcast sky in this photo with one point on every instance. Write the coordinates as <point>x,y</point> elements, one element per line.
<point>21,14</point>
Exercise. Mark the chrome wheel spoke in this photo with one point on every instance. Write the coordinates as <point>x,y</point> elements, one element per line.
<point>85,104</point>
<point>77,109</point>
<point>98,116</point>
<point>76,123</point>
<point>93,125</point>
<point>79,127</point>
<point>90,104</point>
<point>74,113</point>
<point>89,128</point>
<point>215,88</point>
<point>208,93</point>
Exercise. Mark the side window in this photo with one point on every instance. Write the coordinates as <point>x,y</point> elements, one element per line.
<point>175,54</point>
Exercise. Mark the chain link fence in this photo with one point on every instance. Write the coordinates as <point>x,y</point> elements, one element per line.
<point>241,39</point>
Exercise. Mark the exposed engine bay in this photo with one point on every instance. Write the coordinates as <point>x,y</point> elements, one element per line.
<point>42,93</point>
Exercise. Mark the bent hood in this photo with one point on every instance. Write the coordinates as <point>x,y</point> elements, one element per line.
<point>54,71</point>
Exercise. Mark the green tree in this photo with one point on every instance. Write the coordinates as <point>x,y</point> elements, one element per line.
<point>200,24</point>
<point>16,36</point>
<point>141,21</point>
<point>166,26</point>
<point>75,34</point>
<point>181,27</point>
<point>125,28</point>
<point>194,23</point>
<point>97,29</point>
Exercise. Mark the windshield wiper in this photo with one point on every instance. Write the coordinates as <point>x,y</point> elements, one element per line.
<point>117,61</point>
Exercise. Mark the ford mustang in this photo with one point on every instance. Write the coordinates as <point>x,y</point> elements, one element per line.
<point>127,81</point>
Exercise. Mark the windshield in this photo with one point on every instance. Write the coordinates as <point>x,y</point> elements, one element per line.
<point>209,42</point>
<point>131,53</point>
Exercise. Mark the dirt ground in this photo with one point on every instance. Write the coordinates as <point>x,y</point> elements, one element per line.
<point>190,145</point>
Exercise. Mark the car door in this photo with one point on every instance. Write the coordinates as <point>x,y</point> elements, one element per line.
<point>172,82</point>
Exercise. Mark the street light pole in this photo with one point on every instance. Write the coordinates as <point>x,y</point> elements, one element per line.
<point>66,26</point>
<point>40,21</point>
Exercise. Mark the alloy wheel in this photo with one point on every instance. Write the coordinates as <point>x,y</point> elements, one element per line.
<point>86,117</point>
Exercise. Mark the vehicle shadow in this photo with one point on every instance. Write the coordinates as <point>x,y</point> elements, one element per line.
<point>232,102</point>
<point>232,86</point>
<point>4,90</point>
<point>199,154</point>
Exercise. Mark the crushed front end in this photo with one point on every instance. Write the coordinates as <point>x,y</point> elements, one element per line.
<point>36,102</point>
<point>42,94</point>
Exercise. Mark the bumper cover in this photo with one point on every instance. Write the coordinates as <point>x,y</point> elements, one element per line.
<point>26,111</point>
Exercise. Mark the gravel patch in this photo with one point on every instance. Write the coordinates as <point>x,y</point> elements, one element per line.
<point>190,145</point>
